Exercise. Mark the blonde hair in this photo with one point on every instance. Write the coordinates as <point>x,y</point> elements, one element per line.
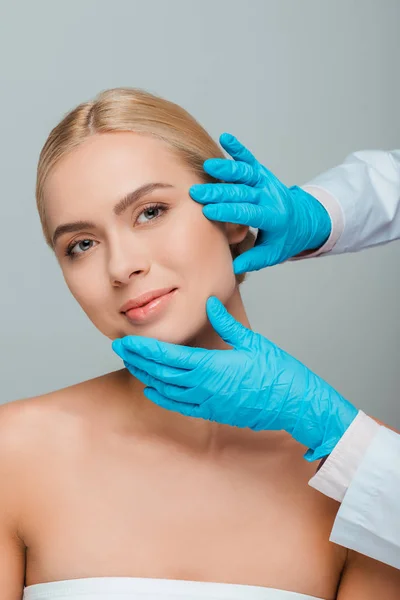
<point>130,109</point>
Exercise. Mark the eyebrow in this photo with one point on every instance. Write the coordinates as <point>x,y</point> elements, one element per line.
<point>121,206</point>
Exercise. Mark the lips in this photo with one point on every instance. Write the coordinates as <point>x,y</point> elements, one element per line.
<point>148,305</point>
<point>144,299</point>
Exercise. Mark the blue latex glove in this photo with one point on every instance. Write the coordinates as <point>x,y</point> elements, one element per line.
<point>253,385</point>
<point>289,219</point>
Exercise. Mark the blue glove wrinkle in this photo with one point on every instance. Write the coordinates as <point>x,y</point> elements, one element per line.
<point>256,385</point>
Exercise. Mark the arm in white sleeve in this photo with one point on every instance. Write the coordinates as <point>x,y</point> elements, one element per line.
<point>363,472</point>
<point>362,197</point>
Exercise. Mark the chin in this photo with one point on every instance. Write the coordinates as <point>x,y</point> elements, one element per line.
<point>174,331</point>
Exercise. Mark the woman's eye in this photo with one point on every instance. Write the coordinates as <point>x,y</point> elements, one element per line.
<point>82,245</point>
<point>149,213</point>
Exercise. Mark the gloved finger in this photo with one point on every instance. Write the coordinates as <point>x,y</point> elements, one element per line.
<point>236,149</point>
<point>230,330</point>
<point>239,152</point>
<point>173,392</point>
<point>255,259</point>
<point>161,372</point>
<point>259,217</point>
<point>225,192</point>
<point>233,172</point>
<point>135,372</point>
<point>187,410</point>
<point>173,355</point>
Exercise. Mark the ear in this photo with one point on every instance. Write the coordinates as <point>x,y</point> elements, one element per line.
<point>235,233</point>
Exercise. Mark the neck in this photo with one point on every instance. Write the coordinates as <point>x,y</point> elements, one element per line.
<point>194,434</point>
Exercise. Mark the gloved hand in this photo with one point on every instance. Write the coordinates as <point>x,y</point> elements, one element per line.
<point>254,385</point>
<point>289,219</point>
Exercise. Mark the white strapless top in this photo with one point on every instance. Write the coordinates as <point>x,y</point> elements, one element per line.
<point>132,588</point>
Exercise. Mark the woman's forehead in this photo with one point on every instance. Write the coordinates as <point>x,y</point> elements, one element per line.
<point>115,153</point>
<point>109,165</point>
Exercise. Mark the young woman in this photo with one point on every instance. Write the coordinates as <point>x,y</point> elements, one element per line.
<point>105,494</point>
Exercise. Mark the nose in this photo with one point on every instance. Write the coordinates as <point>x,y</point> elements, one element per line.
<point>127,260</point>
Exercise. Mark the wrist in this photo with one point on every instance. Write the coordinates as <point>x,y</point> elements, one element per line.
<point>336,471</point>
<point>319,224</point>
<point>337,417</point>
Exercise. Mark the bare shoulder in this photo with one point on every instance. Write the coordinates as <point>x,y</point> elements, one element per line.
<point>315,512</point>
<point>36,435</point>
<point>367,579</point>
<point>40,435</point>
<point>29,424</point>
<point>301,470</point>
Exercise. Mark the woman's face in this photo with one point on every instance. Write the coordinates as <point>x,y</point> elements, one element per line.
<point>157,242</point>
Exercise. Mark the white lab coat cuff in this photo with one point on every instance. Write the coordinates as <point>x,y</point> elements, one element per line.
<point>337,472</point>
<point>336,216</point>
<point>367,188</point>
<point>368,520</point>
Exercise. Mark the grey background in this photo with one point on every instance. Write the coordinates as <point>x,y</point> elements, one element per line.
<point>301,83</point>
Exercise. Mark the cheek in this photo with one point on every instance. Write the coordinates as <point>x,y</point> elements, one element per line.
<point>199,247</point>
<point>87,289</point>
<point>89,292</point>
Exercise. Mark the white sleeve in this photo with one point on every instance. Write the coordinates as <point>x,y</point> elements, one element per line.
<point>362,197</point>
<point>334,477</point>
<point>368,519</point>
